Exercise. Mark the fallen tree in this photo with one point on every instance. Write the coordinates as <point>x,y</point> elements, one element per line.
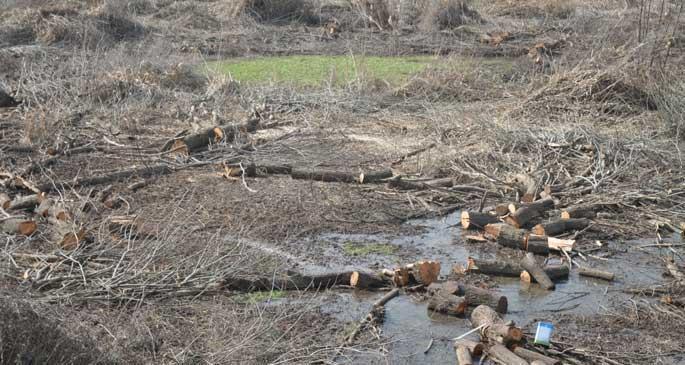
<point>531,266</point>
<point>560,226</point>
<point>493,328</point>
<point>528,212</point>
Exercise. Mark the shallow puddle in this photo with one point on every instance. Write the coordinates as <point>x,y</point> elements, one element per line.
<point>409,327</point>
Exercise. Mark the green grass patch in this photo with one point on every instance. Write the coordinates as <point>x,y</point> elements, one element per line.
<point>318,70</point>
<point>360,249</point>
<point>259,296</point>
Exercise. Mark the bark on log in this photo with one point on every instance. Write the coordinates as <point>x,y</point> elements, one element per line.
<point>530,265</point>
<point>527,213</point>
<point>338,176</point>
<point>560,226</point>
<point>496,268</point>
<point>26,202</point>
<point>533,356</point>
<point>475,348</point>
<point>476,296</point>
<point>594,273</point>
<point>512,237</point>
<point>22,226</point>
<point>368,280</point>
<point>463,356</point>
<point>217,134</point>
<point>476,220</point>
<point>425,272</point>
<point>448,304</point>
<point>537,244</point>
<point>141,172</point>
<point>505,356</point>
<point>494,327</point>
<point>449,287</point>
<point>402,184</point>
<point>582,211</point>
<point>288,281</point>
<point>555,273</point>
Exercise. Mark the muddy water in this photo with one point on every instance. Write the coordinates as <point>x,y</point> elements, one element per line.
<point>409,327</point>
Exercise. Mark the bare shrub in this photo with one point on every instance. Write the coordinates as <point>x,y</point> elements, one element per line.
<point>277,11</point>
<point>669,99</point>
<point>428,15</point>
<point>446,14</point>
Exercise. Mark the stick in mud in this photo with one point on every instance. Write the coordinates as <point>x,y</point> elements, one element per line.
<point>375,315</point>
<point>594,273</point>
<point>529,264</point>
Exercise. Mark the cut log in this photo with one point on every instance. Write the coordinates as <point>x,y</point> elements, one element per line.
<point>594,273</point>
<point>448,287</point>
<point>425,272</point>
<point>447,304</point>
<point>141,172</point>
<point>21,226</point>
<point>555,273</point>
<point>475,348</point>
<point>5,201</point>
<point>475,220</point>
<point>368,280</point>
<point>494,229</point>
<point>338,176</point>
<point>530,265</point>
<point>528,187</point>
<point>495,268</point>
<point>527,213</point>
<point>583,211</point>
<point>26,202</point>
<point>560,245</point>
<point>43,209</point>
<point>463,356</point>
<point>494,329</point>
<point>403,184</point>
<point>512,237</point>
<point>401,277</point>
<point>513,207</point>
<point>217,134</point>
<point>374,176</point>
<point>476,296</point>
<point>537,244</point>
<point>505,356</point>
<point>533,356</point>
<point>287,281</point>
<point>560,226</point>
<point>59,213</point>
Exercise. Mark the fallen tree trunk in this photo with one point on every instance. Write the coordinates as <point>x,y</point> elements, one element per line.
<point>368,280</point>
<point>530,265</point>
<point>26,202</point>
<point>583,211</point>
<point>213,135</point>
<point>140,172</point>
<point>339,176</point>
<point>294,281</point>
<point>496,268</point>
<point>554,272</point>
<point>476,220</point>
<point>476,296</point>
<point>21,226</point>
<point>494,329</point>
<point>594,273</point>
<point>511,237</point>
<point>533,356</point>
<point>527,213</point>
<point>475,348</point>
<point>560,226</point>
<point>402,184</point>
<point>505,356</point>
<point>447,303</point>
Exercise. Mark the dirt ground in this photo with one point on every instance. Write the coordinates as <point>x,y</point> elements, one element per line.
<point>591,103</point>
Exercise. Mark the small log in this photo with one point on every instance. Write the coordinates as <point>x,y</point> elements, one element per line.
<point>401,277</point>
<point>476,296</point>
<point>501,209</point>
<point>403,184</point>
<point>5,201</point>
<point>448,304</point>
<point>21,226</point>
<point>513,207</point>
<point>367,280</point>
<point>528,187</point>
<point>529,264</point>
<point>583,211</point>
<point>494,327</point>
<point>374,176</point>
<point>43,209</point>
<point>527,213</point>
<point>555,273</point>
<point>463,356</point>
<point>339,176</point>
<point>475,220</point>
<point>560,226</point>
<point>374,316</point>
<point>475,348</point>
<point>533,356</point>
<point>200,141</point>
<point>512,237</point>
<point>560,245</point>
<point>594,273</point>
<point>448,287</point>
<point>537,244</point>
<point>494,229</point>
<point>425,272</point>
<point>505,356</point>
<point>26,202</point>
<point>495,268</point>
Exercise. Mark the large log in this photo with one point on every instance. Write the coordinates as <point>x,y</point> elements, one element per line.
<point>527,213</point>
<point>463,355</point>
<point>560,226</point>
<point>537,244</point>
<point>505,356</point>
<point>476,296</point>
<point>495,268</point>
<point>494,329</point>
<point>529,264</point>
<point>476,220</point>
<point>449,304</point>
<point>368,280</point>
<point>512,237</point>
<point>425,272</point>
<point>26,202</point>
<point>22,226</point>
<point>533,356</point>
<point>403,184</point>
<point>554,272</point>
<point>582,211</point>
<point>475,348</point>
<point>594,273</point>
